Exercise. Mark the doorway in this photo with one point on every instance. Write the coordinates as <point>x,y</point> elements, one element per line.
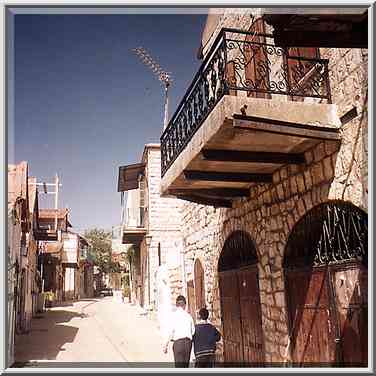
<point>326,256</point>
<point>240,302</point>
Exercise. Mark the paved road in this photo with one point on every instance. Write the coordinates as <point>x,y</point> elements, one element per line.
<point>92,330</point>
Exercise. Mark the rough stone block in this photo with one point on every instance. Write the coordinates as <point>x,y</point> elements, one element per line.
<point>293,185</point>
<point>300,183</point>
<point>280,192</point>
<point>319,152</point>
<point>308,200</point>
<point>324,192</point>
<point>307,179</point>
<point>293,169</point>
<point>279,299</point>
<point>317,174</point>
<point>276,177</point>
<point>308,156</point>
<point>286,187</point>
<point>283,172</point>
<point>328,168</point>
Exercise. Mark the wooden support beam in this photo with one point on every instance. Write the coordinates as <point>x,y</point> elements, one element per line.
<point>210,192</point>
<point>252,157</point>
<point>236,177</point>
<point>312,38</point>
<point>218,203</point>
<point>285,128</point>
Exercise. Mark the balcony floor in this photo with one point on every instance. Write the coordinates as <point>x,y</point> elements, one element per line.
<point>232,150</point>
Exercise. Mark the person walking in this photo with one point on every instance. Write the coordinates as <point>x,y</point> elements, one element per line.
<point>181,331</point>
<point>204,341</point>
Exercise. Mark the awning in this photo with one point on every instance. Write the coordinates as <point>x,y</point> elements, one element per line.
<point>128,176</point>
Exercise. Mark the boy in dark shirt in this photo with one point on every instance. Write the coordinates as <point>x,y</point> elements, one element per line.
<point>204,340</point>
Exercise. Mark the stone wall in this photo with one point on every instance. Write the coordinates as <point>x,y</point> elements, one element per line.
<point>164,224</point>
<point>332,171</point>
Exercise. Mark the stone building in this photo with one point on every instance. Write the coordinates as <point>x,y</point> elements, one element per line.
<point>151,227</point>
<point>18,224</point>
<point>77,268</point>
<point>23,236</point>
<point>55,225</point>
<point>268,150</point>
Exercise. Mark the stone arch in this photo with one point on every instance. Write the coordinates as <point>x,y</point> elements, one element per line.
<point>238,251</point>
<point>326,256</point>
<point>228,229</point>
<point>332,213</point>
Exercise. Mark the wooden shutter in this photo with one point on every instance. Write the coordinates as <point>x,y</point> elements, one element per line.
<point>294,64</point>
<point>256,58</point>
<point>231,77</point>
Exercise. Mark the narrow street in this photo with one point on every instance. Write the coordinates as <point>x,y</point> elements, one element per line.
<point>92,330</point>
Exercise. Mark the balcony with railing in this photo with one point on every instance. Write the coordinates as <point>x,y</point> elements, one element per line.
<point>134,225</point>
<point>251,108</point>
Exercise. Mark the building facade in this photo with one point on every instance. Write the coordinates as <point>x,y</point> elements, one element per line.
<point>269,152</point>
<point>54,225</point>
<point>18,218</point>
<point>152,230</point>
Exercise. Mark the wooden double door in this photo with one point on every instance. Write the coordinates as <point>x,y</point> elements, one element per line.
<point>328,315</point>
<point>241,317</point>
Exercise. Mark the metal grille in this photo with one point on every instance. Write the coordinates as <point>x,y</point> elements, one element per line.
<point>238,251</point>
<point>330,233</point>
<point>237,63</point>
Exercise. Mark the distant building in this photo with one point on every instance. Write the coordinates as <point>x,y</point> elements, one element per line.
<point>54,224</point>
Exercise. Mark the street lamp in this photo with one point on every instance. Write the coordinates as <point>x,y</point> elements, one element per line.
<point>148,242</point>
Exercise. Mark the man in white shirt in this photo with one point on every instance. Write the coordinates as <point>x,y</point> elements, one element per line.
<point>181,331</point>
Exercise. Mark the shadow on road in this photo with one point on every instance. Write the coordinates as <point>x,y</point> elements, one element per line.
<point>46,338</point>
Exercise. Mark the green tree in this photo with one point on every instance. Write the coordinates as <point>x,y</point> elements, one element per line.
<point>100,241</point>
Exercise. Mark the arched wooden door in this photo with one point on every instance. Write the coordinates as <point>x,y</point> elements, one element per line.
<point>196,291</point>
<point>199,285</point>
<point>240,302</point>
<point>326,256</point>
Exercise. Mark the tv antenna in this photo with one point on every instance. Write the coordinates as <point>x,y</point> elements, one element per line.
<point>163,76</point>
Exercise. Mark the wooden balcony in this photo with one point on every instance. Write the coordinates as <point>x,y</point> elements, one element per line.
<point>134,228</point>
<point>250,109</point>
<point>46,235</point>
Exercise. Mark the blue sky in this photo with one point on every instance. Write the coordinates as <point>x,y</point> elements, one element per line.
<point>85,104</point>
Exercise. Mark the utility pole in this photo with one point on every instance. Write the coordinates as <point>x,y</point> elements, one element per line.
<point>163,76</point>
<point>56,198</point>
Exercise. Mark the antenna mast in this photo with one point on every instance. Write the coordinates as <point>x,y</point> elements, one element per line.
<point>163,76</point>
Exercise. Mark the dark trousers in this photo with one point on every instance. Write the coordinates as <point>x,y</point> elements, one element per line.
<point>182,352</point>
<point>205,361</point>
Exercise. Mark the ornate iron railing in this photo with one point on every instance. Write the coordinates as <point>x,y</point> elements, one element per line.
<point>337,232</point>
<point>241,61</point>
